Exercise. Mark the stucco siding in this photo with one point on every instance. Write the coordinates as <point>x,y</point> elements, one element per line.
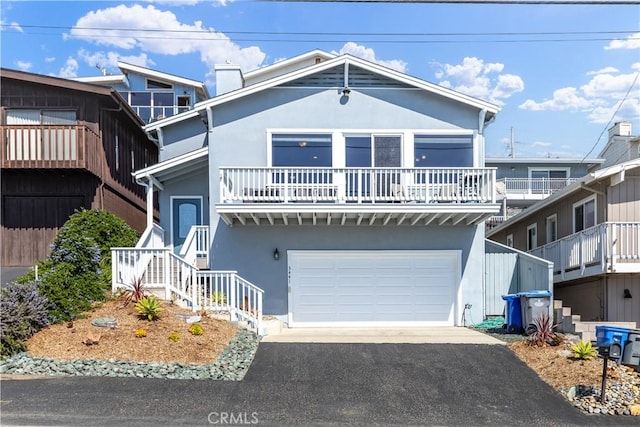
<point>249,250</point>
<point>194,184</point>
<point>183,137</point>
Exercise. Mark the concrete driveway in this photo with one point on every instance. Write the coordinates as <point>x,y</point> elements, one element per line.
<point>314,384</point>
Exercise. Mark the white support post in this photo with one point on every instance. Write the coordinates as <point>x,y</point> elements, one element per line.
<point>614,239</point>
<point>149,204</point>
<point>232,296</point>
<point>165,274</point>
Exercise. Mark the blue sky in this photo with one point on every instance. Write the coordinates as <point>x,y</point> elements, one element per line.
<point>559,91</point>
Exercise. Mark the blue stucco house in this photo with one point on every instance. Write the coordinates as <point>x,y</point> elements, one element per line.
<point>323,190</point>
<point>153,95</point>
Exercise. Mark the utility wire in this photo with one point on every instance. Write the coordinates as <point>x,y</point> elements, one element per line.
<point>324,33</point>
<point>612,116</point>
<point>536,2</point>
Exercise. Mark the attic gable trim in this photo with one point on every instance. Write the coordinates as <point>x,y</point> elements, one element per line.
<point>282,64</point>
<point>413,81</point>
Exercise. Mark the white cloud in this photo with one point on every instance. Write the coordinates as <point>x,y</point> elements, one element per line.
<point>109,60</point>
<point>482,80</point>
<point>566,98</point>
<point>145,26</point>
<point>603,71</point>
<point>70,69</point>
<point>598,98</point>
<point>49,59</point>
<point>542,144</point>
<point>369,54</point>
<point>631,42</point>
<point>23,65</point>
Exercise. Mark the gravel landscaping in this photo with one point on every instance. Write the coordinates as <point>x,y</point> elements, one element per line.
<point>231,365</point>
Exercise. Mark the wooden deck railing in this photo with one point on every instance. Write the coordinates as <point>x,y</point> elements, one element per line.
<point>604,248</point>
<point>50,147</point>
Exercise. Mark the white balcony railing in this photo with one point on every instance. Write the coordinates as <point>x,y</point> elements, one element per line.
<point>605,248</point>
<point>532,186</point>
<point>356,185</point>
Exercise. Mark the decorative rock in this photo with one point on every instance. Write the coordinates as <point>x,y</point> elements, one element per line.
<point>634,410</point>
<point>232,364</point>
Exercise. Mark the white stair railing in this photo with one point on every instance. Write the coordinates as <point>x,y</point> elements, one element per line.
<point>196,244</point>
<point>199,289</point>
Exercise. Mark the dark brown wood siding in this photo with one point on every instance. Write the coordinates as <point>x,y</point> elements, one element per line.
<point>37,200</point>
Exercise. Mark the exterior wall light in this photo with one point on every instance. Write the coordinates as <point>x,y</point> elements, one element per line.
<point>346,91</point>
<point>276,254</point>
<point>627,294</point>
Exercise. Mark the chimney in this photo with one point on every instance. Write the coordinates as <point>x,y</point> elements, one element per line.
<point>228,78</point>
<point>620,129</point>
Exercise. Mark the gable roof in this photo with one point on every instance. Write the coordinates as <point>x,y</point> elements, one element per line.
<point>595,176</point>
<point>346,59</point>
<point>174,167</point>
<point>125,68</point>
<point>280,67</point>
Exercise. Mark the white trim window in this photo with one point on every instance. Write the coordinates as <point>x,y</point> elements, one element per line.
<point>532,236</point>
<point>584,214</point>
<point>551,225</point>
<point>548,179</point>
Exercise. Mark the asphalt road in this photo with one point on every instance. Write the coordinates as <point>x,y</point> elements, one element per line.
<point>314,384</point>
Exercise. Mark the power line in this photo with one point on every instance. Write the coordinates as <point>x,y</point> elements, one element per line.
<point>612,116</point>
<point>325,33</point>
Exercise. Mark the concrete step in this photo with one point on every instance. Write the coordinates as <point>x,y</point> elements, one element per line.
<point>557,303</point>
<point>568,323</point>
<point>584,326</point>
<point>588,335</point>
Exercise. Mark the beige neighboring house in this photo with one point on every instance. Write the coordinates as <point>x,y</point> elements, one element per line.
<point>591,232</point>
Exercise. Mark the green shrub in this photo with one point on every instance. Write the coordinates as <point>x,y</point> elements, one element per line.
<point>196,329</point>
<point>584,350</point>
<point>77,272</point>
<point>218,298</point>
<point>149,308</point>
<point>23,311</point>
<point>174,337</point>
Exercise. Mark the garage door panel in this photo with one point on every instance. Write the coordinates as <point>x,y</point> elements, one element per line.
<point>373,286</point>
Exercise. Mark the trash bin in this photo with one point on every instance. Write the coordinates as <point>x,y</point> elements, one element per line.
<point>534,304</point>
<point>631,353</point>
<point>611,340</point>
<point>513,313</point>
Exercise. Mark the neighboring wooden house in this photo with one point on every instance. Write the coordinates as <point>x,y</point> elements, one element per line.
<point>152,94</point>
<point>345,192</point>
<point>65,145</point>
<point>591,232</point>
<point>524,181</point>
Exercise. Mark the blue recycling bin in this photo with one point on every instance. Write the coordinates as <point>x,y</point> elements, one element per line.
<point>513,313</point>
<point>608,336</point>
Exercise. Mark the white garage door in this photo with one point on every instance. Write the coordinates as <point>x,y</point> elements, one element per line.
<point>354,288</point>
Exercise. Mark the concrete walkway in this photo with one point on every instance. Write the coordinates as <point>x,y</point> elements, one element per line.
<point>375,335</point>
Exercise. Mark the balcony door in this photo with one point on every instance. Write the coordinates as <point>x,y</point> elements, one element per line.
<point>377,151</point>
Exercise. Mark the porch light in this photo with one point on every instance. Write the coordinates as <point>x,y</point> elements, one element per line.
<point>627,294</point>
<point>276,254</point>
<point>302,144</point>
<point>346,91</point>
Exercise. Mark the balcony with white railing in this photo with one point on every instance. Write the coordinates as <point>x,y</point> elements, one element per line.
<point>530,188</point>
<point>610,247</point>
<point>356,196</point>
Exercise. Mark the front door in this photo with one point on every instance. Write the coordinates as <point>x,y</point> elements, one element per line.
<point>186,212</point>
